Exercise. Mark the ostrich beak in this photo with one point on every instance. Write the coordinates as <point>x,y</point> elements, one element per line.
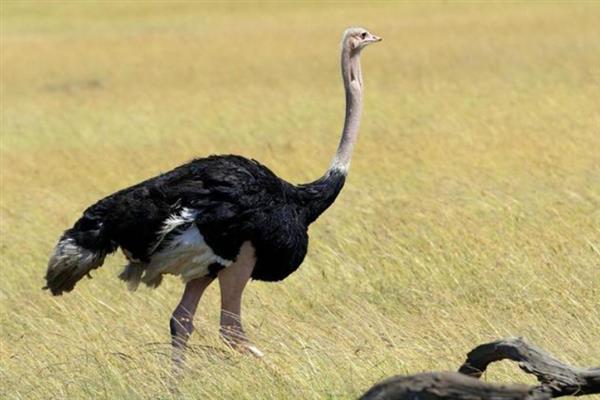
<point>373,39</point>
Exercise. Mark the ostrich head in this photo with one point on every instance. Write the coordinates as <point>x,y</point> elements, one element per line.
<point>355,39</point>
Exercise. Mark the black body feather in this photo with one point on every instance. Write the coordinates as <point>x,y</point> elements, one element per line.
<point>236,200</point>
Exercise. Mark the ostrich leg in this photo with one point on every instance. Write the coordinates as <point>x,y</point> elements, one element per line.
<point>182,320</point>
<point>232,281</point>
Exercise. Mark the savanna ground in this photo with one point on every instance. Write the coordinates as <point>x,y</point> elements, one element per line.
<point>471,211</point>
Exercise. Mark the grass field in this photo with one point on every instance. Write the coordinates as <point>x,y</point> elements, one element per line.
<point>472,210</point>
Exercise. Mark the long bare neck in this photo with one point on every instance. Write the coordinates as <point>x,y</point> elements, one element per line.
<point>317,196</point>
<point>353,86</point>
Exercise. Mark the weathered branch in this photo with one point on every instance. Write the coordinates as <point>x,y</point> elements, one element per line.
<point>556,378</point>
<point>559,378</point>
<point>448,385</point>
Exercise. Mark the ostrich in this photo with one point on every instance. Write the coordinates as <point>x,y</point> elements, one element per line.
<point>222,217</point>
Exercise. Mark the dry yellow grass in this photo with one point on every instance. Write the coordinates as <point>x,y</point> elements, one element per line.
<point>472,211</point>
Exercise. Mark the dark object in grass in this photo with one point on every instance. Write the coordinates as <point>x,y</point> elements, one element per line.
<point>556,378</point>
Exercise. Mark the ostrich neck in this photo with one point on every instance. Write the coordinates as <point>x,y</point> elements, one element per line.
<point>353,85</point>
<point>317,196</point>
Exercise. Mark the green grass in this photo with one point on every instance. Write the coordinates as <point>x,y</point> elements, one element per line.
<point>472,210</point>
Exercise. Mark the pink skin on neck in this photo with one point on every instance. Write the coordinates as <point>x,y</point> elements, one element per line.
<point>353,85</point>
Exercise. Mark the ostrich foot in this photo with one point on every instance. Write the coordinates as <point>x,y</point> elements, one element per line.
<point>181,329</point>
<point>235,338</point>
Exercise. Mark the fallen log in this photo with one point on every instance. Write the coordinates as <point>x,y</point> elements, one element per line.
<point>448,385</point>
<point>554,375</point>
<point>556,378</point>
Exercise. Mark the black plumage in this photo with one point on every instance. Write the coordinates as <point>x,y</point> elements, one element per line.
<point>234,200</point>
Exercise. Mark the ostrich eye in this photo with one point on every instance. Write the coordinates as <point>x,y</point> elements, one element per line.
<point>363,35</point>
